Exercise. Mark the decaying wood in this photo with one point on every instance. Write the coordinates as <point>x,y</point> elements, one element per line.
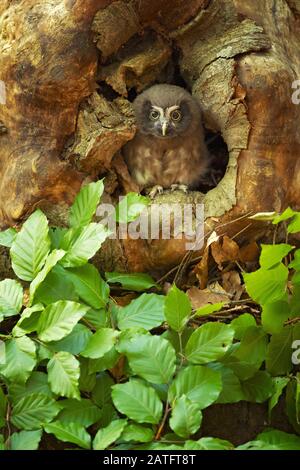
<point>48,65</point>
<point>71,67</point>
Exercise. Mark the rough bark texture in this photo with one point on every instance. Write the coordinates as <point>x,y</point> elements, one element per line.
<point>71,67</point>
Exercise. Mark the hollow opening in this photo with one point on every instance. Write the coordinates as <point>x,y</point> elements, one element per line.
<point>170,73</point>
<point>218,161</point>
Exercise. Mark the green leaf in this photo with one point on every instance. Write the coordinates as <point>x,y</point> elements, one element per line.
<point>109,413</point>
<point>7,237</point>
<point>83,244</point>
<point>274,315</point>
<point>186,417</point>
<point>162,390</point>
<point>244,369</point>
<point>296,283</point>
<point>295,264</point>
<point>11,297</point>
<point>20,359</point>
<point>108,435</point>
<point>130,207</point>
<point>54,288</point>
<point>209,342</point>
<point>292,402</point>
<point>127,339</point>
<point>28,320</point>
<point>37,383</point>
<point>108,361</point>
<point>258,388</point>
<point>100,343</point>
<point>231,386</point>
<point>273,440</point>
<point>267,285</point>
<point>273,254</point>
<point>208,443</point>
<point>75,342</point>
<point>70,432</point>
<point>138,401</point>
<point>209,309</point>
<point>137,282</point>
<point>51,261</point>
<point>253,347</point>
<point>279,352</point>
<point>82,412</point>
<point>63,375</point>
<point>85,204</point>
<point>89,285</point>
<point>56,236</point>
<point>200,384</point>
<point>101,393</point>
<point>31,247</point>
<point>177,308</point>
<point>241,325</point>
<point>178,340</point>
<point>32,411</point>
<point>59,319</point>
<point>279,384</point>
<point>295,299</point>
<point>287,214</point>
<point>25,440</point>
<point>294,225</point>
<point>97,318</point>
<point>137,433</point>
<point>87,380</point>
<point>147,311</point>
<point>152,357</point>
<point>3,406</point>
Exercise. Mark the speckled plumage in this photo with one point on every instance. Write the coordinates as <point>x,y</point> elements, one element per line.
<point>178,158</point>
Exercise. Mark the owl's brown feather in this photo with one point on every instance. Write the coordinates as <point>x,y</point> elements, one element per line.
<point>181,159</point>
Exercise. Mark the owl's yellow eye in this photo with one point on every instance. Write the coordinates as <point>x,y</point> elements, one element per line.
<point>154,115</point>
<point>176,115</point>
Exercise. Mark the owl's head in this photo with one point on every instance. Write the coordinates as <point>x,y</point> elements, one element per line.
<point>166,111</point>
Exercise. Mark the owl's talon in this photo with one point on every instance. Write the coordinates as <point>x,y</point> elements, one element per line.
<point>181,187</point>
<point>155,190</point>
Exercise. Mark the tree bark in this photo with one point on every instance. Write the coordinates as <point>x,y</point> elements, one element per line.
<point>239,57</point>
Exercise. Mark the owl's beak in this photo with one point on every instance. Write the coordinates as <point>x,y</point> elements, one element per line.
<point>164,127</point>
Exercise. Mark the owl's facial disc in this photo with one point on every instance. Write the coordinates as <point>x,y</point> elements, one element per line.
<point>165,120</point>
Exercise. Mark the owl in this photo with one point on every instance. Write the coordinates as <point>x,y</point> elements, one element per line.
<point>168,150</point>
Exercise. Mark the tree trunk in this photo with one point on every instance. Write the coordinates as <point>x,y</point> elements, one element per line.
<point>70,68</point>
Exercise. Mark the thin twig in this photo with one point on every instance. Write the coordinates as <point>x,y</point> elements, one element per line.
<point>88,324</point>
<point>292,321</point>
<point>162,425</point>
<point>241,231</point>
<point>181,349</point>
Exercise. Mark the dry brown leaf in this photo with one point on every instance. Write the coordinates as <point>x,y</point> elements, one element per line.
<point>201,269</point>
<point>249,253</point>
<point>118,370</point>
<point>225,250</point>
<point>124,300</point>
<point>199,298</point>
<point>232,284</point>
